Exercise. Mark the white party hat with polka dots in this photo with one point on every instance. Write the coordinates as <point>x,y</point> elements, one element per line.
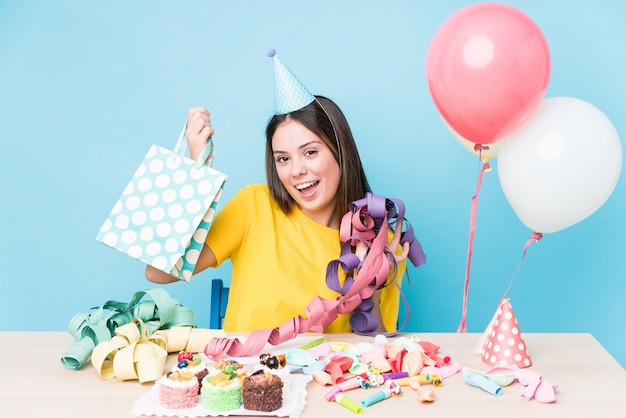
<point>289,93</point>
<point>504,345</point>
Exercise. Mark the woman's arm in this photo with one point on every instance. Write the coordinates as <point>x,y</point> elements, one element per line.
<point>205,260</point>
<point>155,275</point>
<point>199,130</point>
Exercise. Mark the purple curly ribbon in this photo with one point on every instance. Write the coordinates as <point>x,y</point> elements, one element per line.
<point>369,219</point>
<point>362,223</point>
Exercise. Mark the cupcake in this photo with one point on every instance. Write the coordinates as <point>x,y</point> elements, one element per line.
<point>276,365</point>
<point>178,390</point>
<point>222,391</point>
<point>262,391</point>
<point>195,364</point>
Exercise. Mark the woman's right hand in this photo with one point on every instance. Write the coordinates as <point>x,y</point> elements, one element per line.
<point>199,130</point>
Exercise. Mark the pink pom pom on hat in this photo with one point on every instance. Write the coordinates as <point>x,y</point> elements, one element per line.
<point>504,345</point>
<point>289,93</point>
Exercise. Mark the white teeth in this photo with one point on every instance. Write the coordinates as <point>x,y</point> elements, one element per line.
<point>305,185</point>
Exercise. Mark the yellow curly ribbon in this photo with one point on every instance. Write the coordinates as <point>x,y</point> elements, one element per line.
<point>132,354</point>
<point>187,338</point>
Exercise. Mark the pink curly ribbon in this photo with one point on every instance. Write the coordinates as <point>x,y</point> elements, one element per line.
<point>534,237</point>
<point>470,246</point>
<point>368,220</point>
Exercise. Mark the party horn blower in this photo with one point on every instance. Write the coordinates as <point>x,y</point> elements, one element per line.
<point>381,395</point>
<point>312,344</point>
<point>421,378</point>
<point>342,399</point>
<point>398,375</point>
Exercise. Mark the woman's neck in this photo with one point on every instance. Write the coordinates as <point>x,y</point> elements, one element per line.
<point>326,218</point>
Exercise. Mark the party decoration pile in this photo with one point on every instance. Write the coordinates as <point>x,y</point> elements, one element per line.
<point>387,367</point>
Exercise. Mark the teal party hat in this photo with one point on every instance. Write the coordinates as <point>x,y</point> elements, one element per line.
<point>289,93</point>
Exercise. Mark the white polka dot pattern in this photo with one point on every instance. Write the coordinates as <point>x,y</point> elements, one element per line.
<point>505,345</point>
<point>163,215</point>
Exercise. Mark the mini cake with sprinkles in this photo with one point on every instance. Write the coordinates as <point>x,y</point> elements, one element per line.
<point>194,364</point>
<point>262,391</point>
<point>276,365</point>
<point>227,364</point>
<point>178,390</point>
<point>222,391</point>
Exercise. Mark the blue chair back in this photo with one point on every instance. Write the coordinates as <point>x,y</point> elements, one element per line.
<point>219,300</point>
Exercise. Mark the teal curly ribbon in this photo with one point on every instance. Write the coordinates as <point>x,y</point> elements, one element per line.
<point>99,323</point>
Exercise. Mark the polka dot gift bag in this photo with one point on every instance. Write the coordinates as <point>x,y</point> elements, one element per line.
<point>164,214</point>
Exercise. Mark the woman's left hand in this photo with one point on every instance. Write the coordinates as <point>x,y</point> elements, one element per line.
<point>392,246</point>
<point>362,248</point>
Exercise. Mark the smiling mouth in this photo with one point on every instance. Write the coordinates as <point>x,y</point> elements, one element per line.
<point>304,186</point>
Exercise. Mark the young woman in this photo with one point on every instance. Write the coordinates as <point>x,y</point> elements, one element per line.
<point>281,236</point>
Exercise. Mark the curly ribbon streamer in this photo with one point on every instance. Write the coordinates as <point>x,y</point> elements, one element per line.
<point>470,246</point>
<point>99,324</point>
<point>368,220</point>
<point>534,237</point>
<point>187,338</point>
<point>134,354</point>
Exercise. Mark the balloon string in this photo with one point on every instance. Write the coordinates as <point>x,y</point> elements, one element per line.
<point>534,237</point>
<point>485,167</point>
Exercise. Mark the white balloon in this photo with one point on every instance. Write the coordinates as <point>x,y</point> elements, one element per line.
<point>561,165</point>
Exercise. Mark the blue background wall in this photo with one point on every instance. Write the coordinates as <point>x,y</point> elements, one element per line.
<point>87,87</point>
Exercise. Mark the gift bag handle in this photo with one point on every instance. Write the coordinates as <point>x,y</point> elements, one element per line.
<point>206,155</point>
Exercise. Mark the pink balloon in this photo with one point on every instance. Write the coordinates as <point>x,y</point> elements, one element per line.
<point>488,68</point>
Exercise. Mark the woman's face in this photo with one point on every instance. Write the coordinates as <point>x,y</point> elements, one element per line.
<point>308,170</point>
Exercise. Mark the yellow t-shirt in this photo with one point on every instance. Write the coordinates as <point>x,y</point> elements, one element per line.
<point>279,263</point>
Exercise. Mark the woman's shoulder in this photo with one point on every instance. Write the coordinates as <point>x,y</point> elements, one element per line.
<point>253,194</point>
<point>254,191</point>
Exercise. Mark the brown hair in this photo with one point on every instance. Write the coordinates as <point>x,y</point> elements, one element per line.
<point>324,118</point>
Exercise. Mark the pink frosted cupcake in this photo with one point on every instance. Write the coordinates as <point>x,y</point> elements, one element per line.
<point>178,390</point>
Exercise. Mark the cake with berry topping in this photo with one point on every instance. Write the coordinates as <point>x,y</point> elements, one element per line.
<point>276,365</point>
<point>262,391</point>
<point>194,364</point>
<point>222,391</point>
<point>178,390</point>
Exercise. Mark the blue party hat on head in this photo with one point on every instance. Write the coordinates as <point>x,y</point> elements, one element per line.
<point>289,93</point>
